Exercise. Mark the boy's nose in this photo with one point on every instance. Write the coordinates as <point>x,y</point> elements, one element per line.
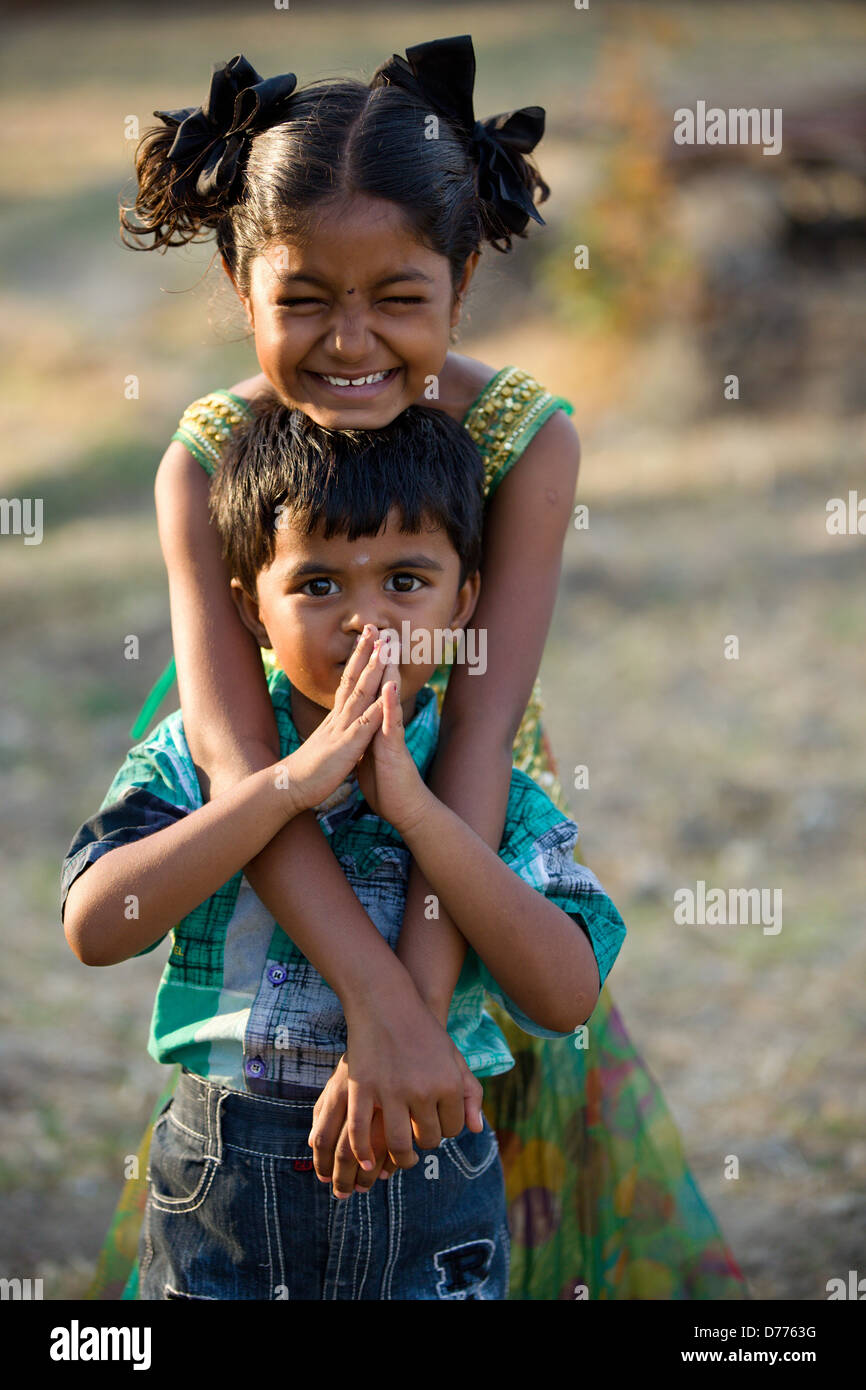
<point>381,621</point>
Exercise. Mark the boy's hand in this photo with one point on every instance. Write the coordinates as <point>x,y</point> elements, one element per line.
<point>330,754</point>
<point>401,1072</point>
<point>387,775</point>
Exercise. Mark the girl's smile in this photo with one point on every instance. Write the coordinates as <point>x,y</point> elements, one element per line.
<point>352,322</point>
<point>357,387</point>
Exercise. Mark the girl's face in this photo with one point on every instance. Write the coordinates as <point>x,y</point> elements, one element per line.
<point>362,298</point>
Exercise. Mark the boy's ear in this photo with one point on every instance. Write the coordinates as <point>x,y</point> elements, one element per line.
<point>467,599</point>
<point>249,614</point>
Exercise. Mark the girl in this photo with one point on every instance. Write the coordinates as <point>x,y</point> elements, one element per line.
<point>350,219</point>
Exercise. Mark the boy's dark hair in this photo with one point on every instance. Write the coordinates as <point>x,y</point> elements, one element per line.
<point>285,464</point>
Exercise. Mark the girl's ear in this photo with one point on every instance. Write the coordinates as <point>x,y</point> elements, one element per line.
<point>248,610</point>
<point>247,309</point>
<point>463,286</point>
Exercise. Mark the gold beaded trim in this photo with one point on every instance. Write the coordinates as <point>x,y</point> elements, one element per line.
<point>206,425</point>
<point>507,410</point>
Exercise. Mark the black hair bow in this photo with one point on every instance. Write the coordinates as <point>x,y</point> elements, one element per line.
<point>209,139</point>
<point>442,73</point>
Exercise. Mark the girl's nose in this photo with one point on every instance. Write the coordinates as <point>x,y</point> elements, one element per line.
<point>348,336</point>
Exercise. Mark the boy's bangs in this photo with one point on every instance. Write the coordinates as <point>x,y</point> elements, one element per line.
<point>356,497</point>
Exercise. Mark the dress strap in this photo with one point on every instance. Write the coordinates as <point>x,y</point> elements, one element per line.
<point>207,423</point>
<point>155,698</point>
<point>505,417</point>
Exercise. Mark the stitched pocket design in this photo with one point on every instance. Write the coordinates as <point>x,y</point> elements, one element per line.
<point>181,1171</point>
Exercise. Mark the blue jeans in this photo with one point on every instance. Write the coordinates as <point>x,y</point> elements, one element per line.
<point>235,1210</point>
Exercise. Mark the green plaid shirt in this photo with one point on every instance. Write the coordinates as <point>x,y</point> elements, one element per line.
<point>238,1003</point>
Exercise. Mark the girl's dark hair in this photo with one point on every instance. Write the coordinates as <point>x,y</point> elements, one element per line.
<point>283,464</point>
<point>339,139</point>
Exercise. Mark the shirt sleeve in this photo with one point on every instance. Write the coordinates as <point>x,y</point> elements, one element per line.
<point>539,847</point>
<point>156,787</point>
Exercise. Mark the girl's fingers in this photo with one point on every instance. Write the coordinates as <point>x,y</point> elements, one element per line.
<point>359,1123</point>
<point>388,1167</point>
<point>323,1141</point>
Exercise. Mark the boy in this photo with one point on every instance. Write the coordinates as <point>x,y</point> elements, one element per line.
<point>317,526</point>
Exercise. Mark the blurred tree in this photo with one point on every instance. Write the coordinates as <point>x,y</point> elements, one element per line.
<point>640,273</point>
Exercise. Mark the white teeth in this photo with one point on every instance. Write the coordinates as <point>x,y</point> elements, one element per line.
<point>356,381</point>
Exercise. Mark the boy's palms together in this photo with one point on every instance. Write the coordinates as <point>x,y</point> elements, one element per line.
<point>387,775</point>
<point>330,754</point>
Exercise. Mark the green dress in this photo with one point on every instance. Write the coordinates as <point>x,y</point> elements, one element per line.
<point>601,1203</point>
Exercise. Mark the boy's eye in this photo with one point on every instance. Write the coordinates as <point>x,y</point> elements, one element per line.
<point>402,587</point>
<point>314,591</point>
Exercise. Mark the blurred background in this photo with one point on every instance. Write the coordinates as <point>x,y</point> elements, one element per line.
<point>707,519</point>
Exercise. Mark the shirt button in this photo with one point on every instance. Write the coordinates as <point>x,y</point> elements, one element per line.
<point>254,1067</point>
<point>277,974</point>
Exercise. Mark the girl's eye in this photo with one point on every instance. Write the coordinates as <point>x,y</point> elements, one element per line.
<point>293,303</point>
<point>400,588</point>
<point>313,592</point>
<point>403,299</point>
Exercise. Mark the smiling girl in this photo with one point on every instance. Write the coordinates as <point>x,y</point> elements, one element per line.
<point>350,219</point>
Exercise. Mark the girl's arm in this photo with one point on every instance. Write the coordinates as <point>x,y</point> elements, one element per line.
<point>533,949</point>
<point>398,1051</point>
<point>227,712</point>
<point>471,773</point>
<point>524,533</point>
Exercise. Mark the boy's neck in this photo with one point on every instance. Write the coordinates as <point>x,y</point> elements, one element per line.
<point>307,716</point>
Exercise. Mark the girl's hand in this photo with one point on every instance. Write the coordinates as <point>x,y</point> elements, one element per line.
<point>329,1137</point>
<point>401,1062</point>
<point>330,754</point>
<point>336,1153</point>
<point>391,783</point>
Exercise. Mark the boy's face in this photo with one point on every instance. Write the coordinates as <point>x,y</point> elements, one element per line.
<point>317,595</point>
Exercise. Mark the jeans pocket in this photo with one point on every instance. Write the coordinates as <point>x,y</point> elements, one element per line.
<point>470,1153</point>
<point>181,1170</point>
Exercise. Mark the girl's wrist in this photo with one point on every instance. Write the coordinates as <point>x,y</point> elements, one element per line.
<point>369,986</point>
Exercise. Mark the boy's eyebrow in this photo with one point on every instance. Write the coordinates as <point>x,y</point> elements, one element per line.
<point>311,567</point>
<point>286,277</point>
